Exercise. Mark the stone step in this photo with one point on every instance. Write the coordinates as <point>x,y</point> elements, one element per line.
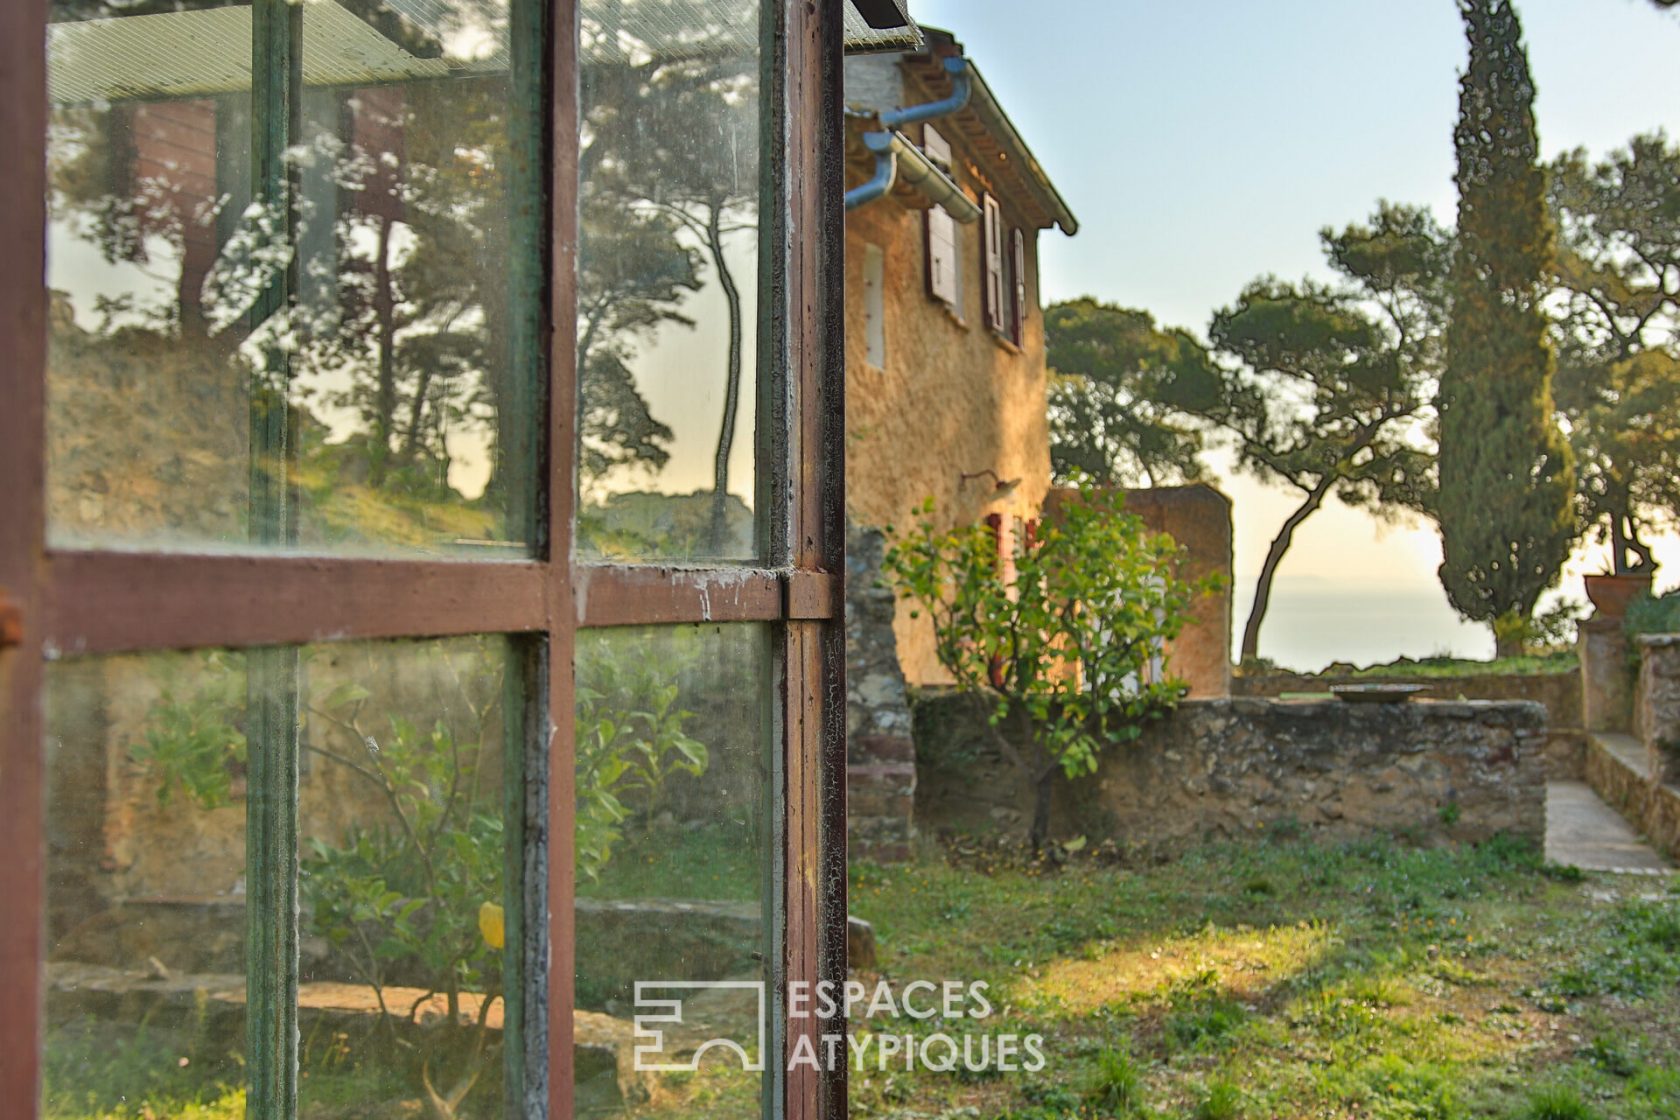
<point>1582,831</point>
<point>1619,770</point>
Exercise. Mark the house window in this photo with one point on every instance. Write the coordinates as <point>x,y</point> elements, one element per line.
<point>944,249</point>
<point>324,711</point>
<point>874,307</point>
<point>995,293</point>
<point>1018,273</point>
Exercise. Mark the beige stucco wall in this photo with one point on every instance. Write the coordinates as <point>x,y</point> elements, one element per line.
<point>953,396</point>
<point>1198,517</point>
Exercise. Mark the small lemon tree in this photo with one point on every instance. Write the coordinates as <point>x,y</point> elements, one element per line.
<point>1069,650</point>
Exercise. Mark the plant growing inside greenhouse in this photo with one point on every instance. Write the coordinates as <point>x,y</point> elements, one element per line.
<point>409,897</point>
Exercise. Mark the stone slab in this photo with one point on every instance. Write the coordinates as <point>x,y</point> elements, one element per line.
<point>1582,831</point>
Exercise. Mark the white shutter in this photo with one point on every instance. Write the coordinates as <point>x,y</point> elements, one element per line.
<point>938,149</point>
<point>991,234</point>
<point>942,256</point>
<point>1018,266</point>
<point>874,306</point>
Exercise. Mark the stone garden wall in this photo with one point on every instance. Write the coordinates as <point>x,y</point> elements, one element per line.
<point>880,756</point>
<point>1221,769</point>
<point>1640,774</point>
<point>1559,693</point>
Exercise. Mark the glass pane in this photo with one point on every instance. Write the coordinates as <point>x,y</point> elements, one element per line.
<point>174,829</point>
<point>287,323</point>
<point>667,280</point>
<point>146,881</point>
<point>674,840</point>
<point>403,852</point>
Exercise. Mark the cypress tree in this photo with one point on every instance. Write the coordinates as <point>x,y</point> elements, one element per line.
<point>1506,476</point>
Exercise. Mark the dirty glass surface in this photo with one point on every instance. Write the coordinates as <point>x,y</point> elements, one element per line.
<point>286,319</point>
<point>674,841</point>
<point>146,884</point>
<point>175,832</point>
<point>668,280</point>
<point>403,851</point>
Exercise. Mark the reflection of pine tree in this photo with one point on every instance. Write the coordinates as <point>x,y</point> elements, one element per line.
<point>675,137</point>
<point>416,341</point>
<point>632,277</point>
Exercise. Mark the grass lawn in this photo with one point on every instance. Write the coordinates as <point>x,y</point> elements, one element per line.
<point>1274,979</point>
<point>1281,979</point>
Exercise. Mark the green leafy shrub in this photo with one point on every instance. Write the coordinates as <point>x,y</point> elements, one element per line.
<point>1069,651</point>
<point>630,741</point>
<point>1654,614</point>
<point>411,895</point>
<point>191,738</point>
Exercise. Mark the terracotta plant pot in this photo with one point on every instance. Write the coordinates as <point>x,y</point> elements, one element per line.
<point>1611,594</point>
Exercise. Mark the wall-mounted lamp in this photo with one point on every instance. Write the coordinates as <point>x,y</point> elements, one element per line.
<point>1003,487</point>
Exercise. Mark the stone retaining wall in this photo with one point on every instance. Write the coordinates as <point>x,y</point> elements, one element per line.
<point>1560,693</point>
<point>880,757</point>
<point>1640,774</point>
<point>1221,769</point>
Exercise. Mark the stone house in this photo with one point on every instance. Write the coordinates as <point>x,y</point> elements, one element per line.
<point>946,382</point>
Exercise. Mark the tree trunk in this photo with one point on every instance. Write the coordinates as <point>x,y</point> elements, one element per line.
<point>384,308</point>
<point>1509,631</point>
<point>1268,570</point>
<point>732,387</point>
<point>1043,788</point>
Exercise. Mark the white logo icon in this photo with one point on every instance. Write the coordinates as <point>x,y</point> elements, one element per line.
<point>654,1016</point>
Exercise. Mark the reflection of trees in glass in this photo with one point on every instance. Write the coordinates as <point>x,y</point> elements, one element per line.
<point>669,166</point>
<point>417,335</point>
<point>633,274</point>
<point>1618,378</point>
<point>397,346</point>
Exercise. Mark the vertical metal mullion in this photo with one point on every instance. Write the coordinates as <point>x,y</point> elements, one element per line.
<point>552,956</point>
<point>527,427</point>
<point>777,454</point>
<point>271,824</point>
<point>826,369</point>
<point>23,324</point>
<point>811,245</point>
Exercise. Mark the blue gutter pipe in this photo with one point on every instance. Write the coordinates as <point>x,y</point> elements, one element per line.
<point>886,171</point>
<point>881,143</point>
<point>957,67</point>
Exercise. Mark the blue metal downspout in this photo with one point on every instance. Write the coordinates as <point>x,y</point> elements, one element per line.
<point>886,171</point>
<point>881,143</point>
<point>914,114</point>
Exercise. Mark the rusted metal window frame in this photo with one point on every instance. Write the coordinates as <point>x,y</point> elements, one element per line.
<point>69,602</point>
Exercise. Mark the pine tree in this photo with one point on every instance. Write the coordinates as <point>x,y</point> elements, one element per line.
<point>1506,475</point>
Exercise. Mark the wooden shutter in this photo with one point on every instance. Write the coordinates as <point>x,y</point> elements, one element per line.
<point>942,256</point>
<point>938,149</point>
<point>942,277</point>
<point>1018,269</point>
<point>991,235</point>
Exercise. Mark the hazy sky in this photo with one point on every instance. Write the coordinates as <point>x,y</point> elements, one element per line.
<point>1204,144</point>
